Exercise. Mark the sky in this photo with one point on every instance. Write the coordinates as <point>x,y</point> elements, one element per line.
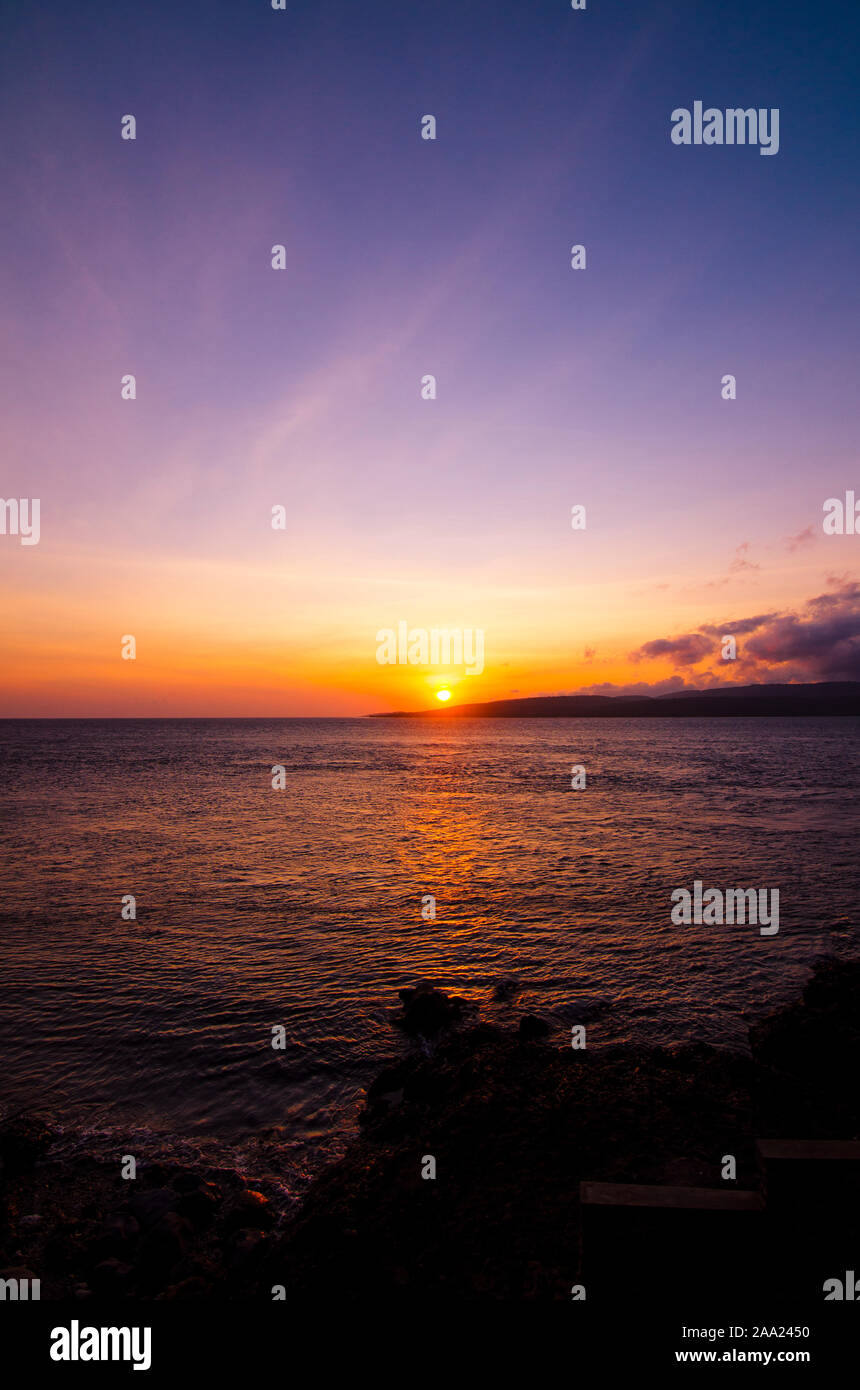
<point>300,388</point>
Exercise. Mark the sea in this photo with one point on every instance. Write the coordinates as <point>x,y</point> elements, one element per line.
<point>295,913</point>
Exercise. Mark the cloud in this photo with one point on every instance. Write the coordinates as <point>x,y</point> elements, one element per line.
<point>738,565</point>
<point>665,687</point>
<point>688,650</point>
<point>820,643</point>
<point>843,591</point>
<point>804,537</point>
<point>741,560</point>
<point>823,643</point>
<point>738,627</point>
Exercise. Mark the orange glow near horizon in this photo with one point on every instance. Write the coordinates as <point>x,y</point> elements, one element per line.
<point>255,637</point>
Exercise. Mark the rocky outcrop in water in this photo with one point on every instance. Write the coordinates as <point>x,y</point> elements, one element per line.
<point>463,1182</point>
<point>513,1124</point>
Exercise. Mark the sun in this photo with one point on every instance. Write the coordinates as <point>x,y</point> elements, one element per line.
<point>443,694</point>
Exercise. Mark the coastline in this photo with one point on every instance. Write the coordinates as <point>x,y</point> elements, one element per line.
<point>514,1125</point>
<point>834,699</point>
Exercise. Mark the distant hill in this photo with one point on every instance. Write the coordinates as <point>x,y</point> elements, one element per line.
<point>827,697</point>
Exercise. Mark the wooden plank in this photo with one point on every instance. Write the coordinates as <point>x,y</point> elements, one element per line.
<point>620,1194</point>
<point>809,1150</point>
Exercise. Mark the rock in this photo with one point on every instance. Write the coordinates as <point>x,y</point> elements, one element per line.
<point>391,1098</point>
<point>123,1225</point>
<point>156,1175</point>
<point>199,1208</point>
<point>389,1080</point>
<point>195,1287</point>
<point>187,1182</point>
<point>116,1238</point>
<point>426,1009</point>
<point>250,1211</point>
<point>18,1272</point>
<point>794,1049</point>
<point>224,1177</point>
<point>246,1248</point>
<point>23,1141</point>
<point>165,1244</point>
<point>111,1277</point>
<point>532,1027</point>
<point>150,1207</point>
<point>65,1251</point>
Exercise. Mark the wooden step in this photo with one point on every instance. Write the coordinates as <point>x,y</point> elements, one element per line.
<point>624,1194</point>
<point>811,1179</point>
<point>809,1150</point>
<point>812,1194</point>
<point>669,1240</point>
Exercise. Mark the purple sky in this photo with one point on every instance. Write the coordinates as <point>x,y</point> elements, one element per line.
<point>404,257</point>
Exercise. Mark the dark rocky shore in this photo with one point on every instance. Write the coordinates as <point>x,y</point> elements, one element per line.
<point>514,1124</point>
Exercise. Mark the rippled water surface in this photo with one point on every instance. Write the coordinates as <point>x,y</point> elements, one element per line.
<point>303,907</point>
